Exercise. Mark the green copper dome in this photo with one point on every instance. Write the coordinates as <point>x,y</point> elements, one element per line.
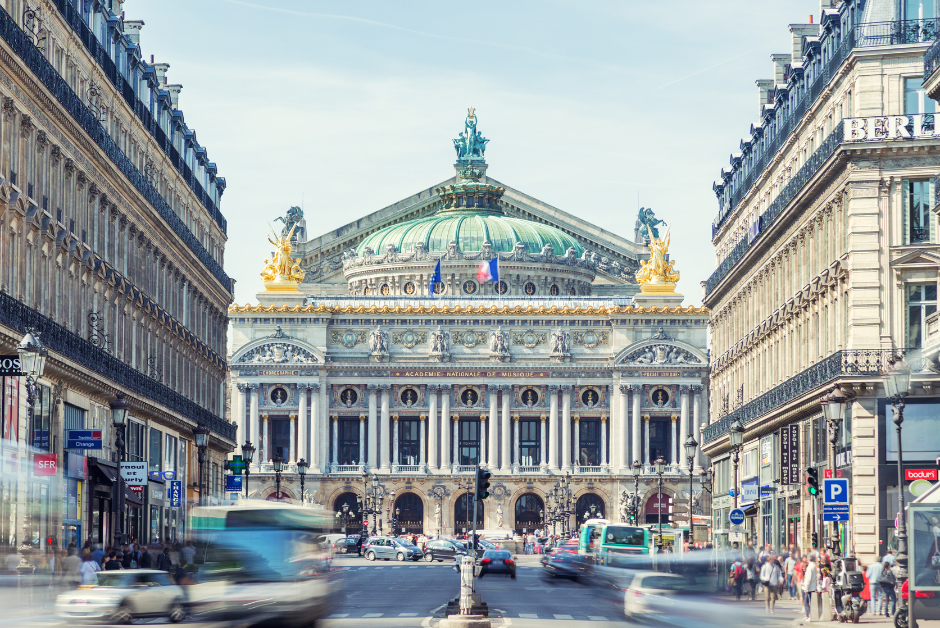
<point>469,228</point>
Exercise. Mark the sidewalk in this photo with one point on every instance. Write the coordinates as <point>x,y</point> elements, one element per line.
<point>793,608</point>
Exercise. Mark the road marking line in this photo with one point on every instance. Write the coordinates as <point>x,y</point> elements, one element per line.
<point>597,618</point>
<point>412,568</point>
<point>361,568</point>
<point>338,615</point>
<point>371,615</point>
<point>407,614</point>
<point>528,616</point>
<point>557,616</point>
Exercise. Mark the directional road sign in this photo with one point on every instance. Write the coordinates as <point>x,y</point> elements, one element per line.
<point>736,516</point>
<point>835,516</point>
<point>836,491</point>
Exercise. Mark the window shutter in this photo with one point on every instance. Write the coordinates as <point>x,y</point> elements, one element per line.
<point>905,212</point>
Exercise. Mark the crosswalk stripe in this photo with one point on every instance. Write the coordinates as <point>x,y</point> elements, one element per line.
<point>597,618</point>
<point>528,616</point>
<point>407,614</point>
<point>557,616</point>
<point>372,615</point>
<point>338,615</point>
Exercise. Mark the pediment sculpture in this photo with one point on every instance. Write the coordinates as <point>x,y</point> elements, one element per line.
<point>662,354</point>
<point>278,353</point>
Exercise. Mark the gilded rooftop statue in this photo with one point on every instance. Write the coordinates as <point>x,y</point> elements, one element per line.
<point>283,273</point>
<point>657,275</point>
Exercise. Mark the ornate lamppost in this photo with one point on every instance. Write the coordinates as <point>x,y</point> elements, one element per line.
<point>691,446</point>
<point>370,504</point>
<point>736,434</point>
<point>201,434</point>
<point>833,406</point>
<point>33,356</point>
<point>659,465</point>
<point>302,472</point>
<point>248,453</point>
<point>897,381</point>
<point>278,463</point>
<point>344,515</point>
<point>118,420</point>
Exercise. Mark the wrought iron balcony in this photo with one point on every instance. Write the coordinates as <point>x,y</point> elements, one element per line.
<point>20,43</point>
<point>931,60</point>
<point>802,177</point>
<point>852,363</point>
<point>70,345</point>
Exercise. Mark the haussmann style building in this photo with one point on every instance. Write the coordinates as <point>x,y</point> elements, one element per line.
<point>827,257</point>
<point>558,371</point>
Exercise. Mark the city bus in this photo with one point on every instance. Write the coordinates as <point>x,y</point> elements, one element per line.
<point>588,534</point>
<point>262,560</point>
<point>620,545</point>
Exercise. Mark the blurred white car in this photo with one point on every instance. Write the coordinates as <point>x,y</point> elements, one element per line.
<point>122,595</point>
<point>652,593</point>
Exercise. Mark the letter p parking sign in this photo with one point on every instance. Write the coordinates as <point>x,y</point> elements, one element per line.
<point>836,491</point>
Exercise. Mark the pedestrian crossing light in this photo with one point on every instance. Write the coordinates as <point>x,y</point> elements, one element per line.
<point>812,480</point>
<point>815,539</point>
<point>483,484</point>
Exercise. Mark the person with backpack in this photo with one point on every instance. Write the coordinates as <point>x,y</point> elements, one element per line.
<point>736,579</point>
<point>888,581</point>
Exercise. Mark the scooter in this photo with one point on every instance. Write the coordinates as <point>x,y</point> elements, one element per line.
<point>847,591</point>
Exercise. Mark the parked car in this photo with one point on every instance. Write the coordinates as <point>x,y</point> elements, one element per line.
<point>482,546</point>
<point>443,549</point>
<point>387,548</point>
<point>498,561</point>
<point>120,596</point>
<point>346,545</point>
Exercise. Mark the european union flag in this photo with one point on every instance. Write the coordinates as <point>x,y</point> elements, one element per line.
<point>435,278</point>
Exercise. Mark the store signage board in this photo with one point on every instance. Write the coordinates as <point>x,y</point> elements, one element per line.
<point>920,474</point>
<point>134,473</point>
<point>750,492</point>
<point>44,464</point>
<point>233,483</point>
<point>83,439</point>
<point>10,366</point>
<point>176,493</point>
<point>790,455</point>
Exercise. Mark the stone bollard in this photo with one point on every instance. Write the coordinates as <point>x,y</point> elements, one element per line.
<point>814,606</point>
<point>466,585</point>
<point>827,613</point>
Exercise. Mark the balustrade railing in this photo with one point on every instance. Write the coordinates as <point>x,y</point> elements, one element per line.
<point>529,469</point>
<point>849,363</point>
<point>347,468</point>
<point>931,59</point>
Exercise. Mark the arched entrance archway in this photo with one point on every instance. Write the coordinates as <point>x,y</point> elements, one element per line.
<point>408,515</point>
<point>530,512</point>
<point>585,503</point>
<point>654,507</point>
<point>463,514</point>
<point>354,521</point>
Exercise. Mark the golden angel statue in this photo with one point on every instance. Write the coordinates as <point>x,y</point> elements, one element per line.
<point>658,271</point>
<point>283,269</point>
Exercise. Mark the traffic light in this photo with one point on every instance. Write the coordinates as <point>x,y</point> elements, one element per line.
<point>633,516</point>
<point>483,484</point>
<point>815,539</point>
<point>812,481</point>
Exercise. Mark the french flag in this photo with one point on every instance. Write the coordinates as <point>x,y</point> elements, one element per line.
<point>488,271</point>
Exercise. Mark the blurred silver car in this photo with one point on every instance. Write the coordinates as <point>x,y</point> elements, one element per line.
<point>652,593</point>
<point>123,595</point>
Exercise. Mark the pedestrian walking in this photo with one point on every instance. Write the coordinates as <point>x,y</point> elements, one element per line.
<point>70,565</point>
<point>810,582</point>
<point>88,570</point>
<point>798,571</point>
<point>771,577</point>
<point>736,578</point>
<point>825,592</point>
<point>789,564</point>
<point>889,597</point>
<point>163,560</point>
<point>873,573</point>
<point>188,553</point>
<point>752,574</point>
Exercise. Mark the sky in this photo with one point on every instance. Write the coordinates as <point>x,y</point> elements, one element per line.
<point>597,108</point>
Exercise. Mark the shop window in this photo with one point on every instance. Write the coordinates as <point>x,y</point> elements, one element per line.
<point>920,433</point>
<point>156,451</point>
<point>916,204</point>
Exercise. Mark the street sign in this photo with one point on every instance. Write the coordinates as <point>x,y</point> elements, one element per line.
<point>134,473</point>
<point>176,493</point>
<point>736,529</point>
<point>236,465</point>
<point>827,473</point>
<point>736,537</point>
<point>736,516</point>
<point>835,512</point>
<point>83,439</point>
<point>836,491</point>
<point>835,507</point>
<point>233,483</point>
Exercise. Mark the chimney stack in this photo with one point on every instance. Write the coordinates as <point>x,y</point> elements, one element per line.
<point>798,32</point>
<point>174,94</point>
<point>160,71</point>
<point>132,30</point>
<point>763,95</point>
<point>780,67</point>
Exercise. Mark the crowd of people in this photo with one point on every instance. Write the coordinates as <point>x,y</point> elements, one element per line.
<point>75,566</point>
<point>799,575</point>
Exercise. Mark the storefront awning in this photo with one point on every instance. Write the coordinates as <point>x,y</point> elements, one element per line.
<point>751,510</point>
<point>130,497</point>
<point>103,471</point>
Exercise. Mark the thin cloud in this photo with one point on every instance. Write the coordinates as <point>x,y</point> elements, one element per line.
<point>411,31</point>
<point>711,67</point>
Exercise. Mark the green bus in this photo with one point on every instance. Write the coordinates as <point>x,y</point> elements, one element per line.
<point>621,545</point>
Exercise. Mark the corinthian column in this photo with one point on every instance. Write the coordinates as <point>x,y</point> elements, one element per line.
<point>384,426</point>
<point>373,426</point>
<point>492,449</point>
<point>566,427</point>
<point>240,409</point>
<point>697,425</point>
<point>637,428</point>
<point>302,424</point>
<point>292,451</point>
<point>506,463</point>
<point>335,440</point>
<point>551,433</point>
<point>603,441</point>
<point>445,428</point>
<point>623,430</point>
<point>253,392</point>
<point>362,439</point>
<point>314,427</point>
<point>543,450</point>
<point>422,442</point>
<point>433,421</point>
<point>683,426</point>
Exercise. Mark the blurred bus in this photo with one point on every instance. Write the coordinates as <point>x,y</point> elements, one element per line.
<point>621,545</point>
<point>262,560</point>
<point>588,534</point>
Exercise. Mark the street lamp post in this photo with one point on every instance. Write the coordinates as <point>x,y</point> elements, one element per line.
<point>278,463</point>
<point>32,364</point>
<point>736,434</point>
<point>118,419</point>
<point>302,472</point>
<point>897,380</point>
<point>659,466</point>
<point>833,406</point>
<point>344,515</point>
<point>691,446</point>
<point>370,503</point>
<point>248,453</point>
<point>201,434</point>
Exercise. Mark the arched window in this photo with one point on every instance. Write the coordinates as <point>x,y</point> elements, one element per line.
<point>530,513</point>
<point>463,514</point>
<point>408,515</point>
<point>354,517</point>
<point>585,503</point>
